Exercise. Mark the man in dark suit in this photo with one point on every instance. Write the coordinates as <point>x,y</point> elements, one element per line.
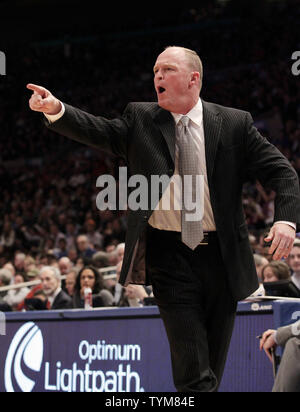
<point>198,271</point>
<point>51,286</point>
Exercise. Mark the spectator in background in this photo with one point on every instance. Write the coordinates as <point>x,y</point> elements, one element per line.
<point>253,242</point>
<point>71,233</point>
<point>79,264</point>
<point>64,265</point>
<point>15,296</point>
<point>111,245</point>
<point>51,286</point>
<point>275,271</point>
<point>100,259</point>
<point>288,375</point>
<point>38,301</point>
<point>11,268</point>
<point>120,251</point>
<point>50,258</point>
<point>31,275</point>
<point>112,257</point>
<point>294,263</point>
<point>29,263</point>
<point>56,235</point>
<point>132,295</point>
<point>260,263</point>
<point>61,251</point>
<point>85,251</point>
<point>135,295</point>
<point>277,280</point>
<point>71,281</point>
<point>5,279</point>
<point>19,262</point>
<point>3,256</point>
<point>90,277</point>
<point>7,238</point>
<point>72,255</point>
<point>117,290</point>
<point>94,237</point>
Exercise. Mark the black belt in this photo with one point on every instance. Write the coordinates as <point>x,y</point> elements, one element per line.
<point>208,237</point>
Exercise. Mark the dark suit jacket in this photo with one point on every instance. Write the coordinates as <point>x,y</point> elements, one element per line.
<point>145,137</point>
<point>62,301</point>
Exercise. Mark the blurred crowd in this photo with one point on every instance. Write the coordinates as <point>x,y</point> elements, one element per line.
<point>52,282</point>
<point>56,282</point>
<point>48,183</point>
<point>278,278</point>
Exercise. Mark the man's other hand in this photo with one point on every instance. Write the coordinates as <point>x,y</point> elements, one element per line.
<point>282,237</point>
<point>267,343</point>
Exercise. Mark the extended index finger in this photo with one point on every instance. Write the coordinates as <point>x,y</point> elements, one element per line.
<point>37,89</point>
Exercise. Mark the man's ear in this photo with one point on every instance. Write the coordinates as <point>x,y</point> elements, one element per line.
<point>195,79</point>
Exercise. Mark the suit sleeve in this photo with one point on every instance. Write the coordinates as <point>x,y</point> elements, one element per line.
<point>288,332</point>
<point>97,132</point>
<point>267,164</point>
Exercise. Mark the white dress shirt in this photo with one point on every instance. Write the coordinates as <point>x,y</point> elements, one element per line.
<point>171,219</point>
<point>52,298</point>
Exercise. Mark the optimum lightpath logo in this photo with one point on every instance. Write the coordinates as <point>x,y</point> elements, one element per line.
<point>24,359</point>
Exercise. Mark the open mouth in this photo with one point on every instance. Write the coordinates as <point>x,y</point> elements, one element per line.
<point>161,90</point>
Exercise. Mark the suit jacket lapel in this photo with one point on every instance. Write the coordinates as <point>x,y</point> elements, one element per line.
<point>212,122</point>
<point>166,124</point>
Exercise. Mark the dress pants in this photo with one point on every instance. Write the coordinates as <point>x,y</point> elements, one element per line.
<point>196,306</point>
<point>288,375</point>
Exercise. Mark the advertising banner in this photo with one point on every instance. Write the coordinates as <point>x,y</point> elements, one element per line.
<point>118,350</point>
<point>85,356</point>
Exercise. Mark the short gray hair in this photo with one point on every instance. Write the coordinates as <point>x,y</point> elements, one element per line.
<point>5,276</point>
<point>193,59</point>
<point>55,271</point>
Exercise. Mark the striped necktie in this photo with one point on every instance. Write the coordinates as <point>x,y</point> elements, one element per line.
<point>191,231</point>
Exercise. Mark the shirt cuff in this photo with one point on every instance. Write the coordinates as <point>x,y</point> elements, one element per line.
<point>54,117</point>
<point>293,225</point>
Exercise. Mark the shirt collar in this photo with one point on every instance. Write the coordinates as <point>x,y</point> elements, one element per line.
<point>196,114</point>
<point>296,280</point>
<point>52,297</point>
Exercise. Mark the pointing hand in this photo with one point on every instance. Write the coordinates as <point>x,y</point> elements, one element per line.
<point>43,101</point>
